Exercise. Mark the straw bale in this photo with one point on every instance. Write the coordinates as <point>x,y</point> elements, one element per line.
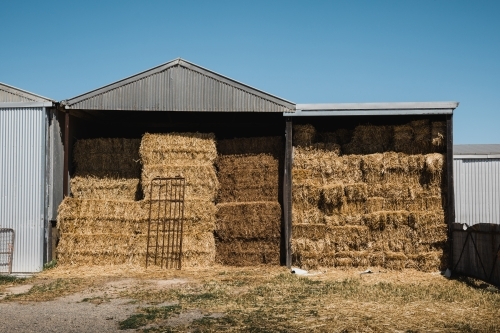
<point>100,259</point>
<point>116,157</point>
<point>380,220</point>
<point>375,204</point>
<point>421,135</point>
<point>248,252</point>
<point>201,180</point>
<point>303,135</point>
<point>326,146</point>
<point>306,195</point>
<point>248,178</point>
<point>430,261</point>
<point>301,215</point>
<point>333,194</point>
<point>271,145</point>
<point>355,192</point>
<point>322,167</point>
<point>167,148</point>
<point>72,208</point>
<point>438,135</point>
<point>425,219</point>
<point>347,236</point>
<point>392,167</point>
<point>403,139</point>
<point>369,139</point>
<point>105,188</point>
<point>255,220</point>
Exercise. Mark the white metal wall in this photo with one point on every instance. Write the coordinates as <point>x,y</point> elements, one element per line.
<point>22,179</point>
<point>477,190</point>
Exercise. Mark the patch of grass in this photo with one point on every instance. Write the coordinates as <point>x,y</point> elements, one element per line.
<point>49,265</point>
<point>96,300</point>
<point>49,291</point>
<point>9,279</point>
<point>149,315</point>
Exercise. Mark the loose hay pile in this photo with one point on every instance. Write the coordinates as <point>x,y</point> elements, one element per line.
<point>372,206</point>
<point>192,156</point>
<point>248,211</point>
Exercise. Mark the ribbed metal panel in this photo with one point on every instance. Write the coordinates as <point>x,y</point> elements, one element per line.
<point>477,190</point>
<point>22,169</point>
<point>8,96</point>
<point>180,86</point>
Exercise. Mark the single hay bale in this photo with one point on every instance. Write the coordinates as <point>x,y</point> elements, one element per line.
<point>167,148</point>
<point>105,188</point>
<point>370,139</point>
<point>303,135</point>
<point>429,261</point>
<point>424,219</point>
<point>392,167</point>
<point>269,145</point>
<point>100,259</point>
<point>344,237</point>
<point>421,135</point>
<point>116,157</point>
<point>248,220</point>
<point>72,208</point>
<point>355,192</point>
<point>248,178</point>
<point>383,219</point>
<point>438,135</point>
<point>301,215</point>
<point>201,180</point>
<point>322,167</point>
<point>396,238</point>
<point>333,194</point>
<point>248,252</point>
<point>403,139</point>
<point>306,195</point>
<point>375,204</point>
<point>326,146</point>
<point>341,136</point>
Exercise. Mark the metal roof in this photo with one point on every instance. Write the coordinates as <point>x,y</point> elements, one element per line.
<point>476,151</point>
<point>14,97</point>
<point>179,85</point>
<point>375,109</point>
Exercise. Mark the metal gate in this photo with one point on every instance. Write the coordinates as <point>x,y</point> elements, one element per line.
<point>166,217</point>
<point>7,237</point>
<point>476,251</point>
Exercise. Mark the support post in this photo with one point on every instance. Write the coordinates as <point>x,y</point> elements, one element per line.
<point>450,185</point>
<point>287,192</point>
<point>66,156</point>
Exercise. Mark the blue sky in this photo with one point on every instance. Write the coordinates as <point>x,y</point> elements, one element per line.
<point>303,51</point>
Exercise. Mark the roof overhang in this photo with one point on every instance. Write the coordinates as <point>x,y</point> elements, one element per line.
<point>12,97</point>
<point>374,109</point>
<point>476,151</point>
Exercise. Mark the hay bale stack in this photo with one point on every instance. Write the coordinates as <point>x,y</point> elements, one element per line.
<point>248,226</point>
<point>373,208</point>
<point>192,156</point>
<point>303,135</point>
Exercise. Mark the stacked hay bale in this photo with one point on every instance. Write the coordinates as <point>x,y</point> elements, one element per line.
<point>373,206</point>
<point>192,156</point>
<point>101,223</point>
<point>248,210</point>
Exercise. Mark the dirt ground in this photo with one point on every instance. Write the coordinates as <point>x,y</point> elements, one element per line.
<point>257,299</point>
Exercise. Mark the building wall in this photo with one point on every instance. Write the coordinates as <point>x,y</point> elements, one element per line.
<point>22,179</point>
<point>477,190</point>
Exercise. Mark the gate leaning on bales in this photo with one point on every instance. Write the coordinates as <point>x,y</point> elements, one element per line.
<point>166,217</point>
<point>476,251</point>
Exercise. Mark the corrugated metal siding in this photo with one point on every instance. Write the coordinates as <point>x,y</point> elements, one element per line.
<point>179,89</point>
<point>9,97</point>
<point>22,168</point>
<point>477,190</point>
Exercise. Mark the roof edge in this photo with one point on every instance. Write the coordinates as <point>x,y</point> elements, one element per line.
<point>176,62</point>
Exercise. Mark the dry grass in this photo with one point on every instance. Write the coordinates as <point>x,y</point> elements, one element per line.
<point>270,299</point>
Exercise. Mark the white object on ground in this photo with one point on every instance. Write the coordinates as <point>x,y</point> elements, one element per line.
<point>298,271</point>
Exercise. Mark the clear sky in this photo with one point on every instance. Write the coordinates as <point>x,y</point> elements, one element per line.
<point>303,51</point>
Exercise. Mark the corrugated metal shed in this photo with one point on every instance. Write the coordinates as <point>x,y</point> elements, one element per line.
<point>179,85</point>
<point>24,189</point>
<point>477,183</point>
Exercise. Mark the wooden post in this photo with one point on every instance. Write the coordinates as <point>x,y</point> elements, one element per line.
<point>287,192</point>
<point>450,186</point>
